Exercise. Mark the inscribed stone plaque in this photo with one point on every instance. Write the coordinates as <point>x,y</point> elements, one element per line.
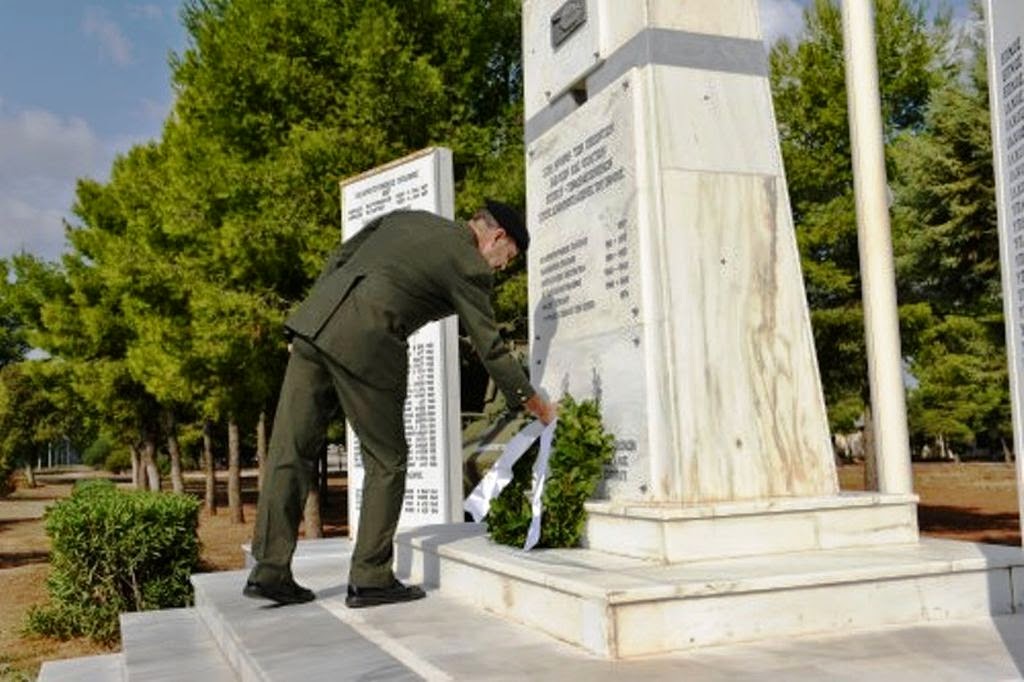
<point>586,312</point>
<point>1006,104</point>
<point>433,489</point>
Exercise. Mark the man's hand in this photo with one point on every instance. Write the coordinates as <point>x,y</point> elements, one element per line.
<point>541,409</point>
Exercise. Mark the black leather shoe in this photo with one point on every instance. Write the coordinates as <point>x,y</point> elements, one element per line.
<point>287,592</point>
<point>360,597</point>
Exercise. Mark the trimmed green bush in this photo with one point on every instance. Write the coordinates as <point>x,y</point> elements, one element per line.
<point>115,551</point>
<point>105,453</point>
<point>98,451</point>
<point>579,454</point>
<point>119,459</point>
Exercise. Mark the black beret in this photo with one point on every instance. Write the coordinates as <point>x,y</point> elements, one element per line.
<point>511,221</point>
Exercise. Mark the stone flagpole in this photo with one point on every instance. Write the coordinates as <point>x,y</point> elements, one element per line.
<point>881,319</point>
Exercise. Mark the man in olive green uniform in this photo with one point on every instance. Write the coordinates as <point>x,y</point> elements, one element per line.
<point>349,350</point>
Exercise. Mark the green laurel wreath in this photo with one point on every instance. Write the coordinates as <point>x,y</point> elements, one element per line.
<point>579,454</point>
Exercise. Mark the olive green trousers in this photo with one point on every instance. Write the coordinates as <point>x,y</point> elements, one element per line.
<point>314,389</point>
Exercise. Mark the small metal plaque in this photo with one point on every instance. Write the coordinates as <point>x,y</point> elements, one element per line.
<point>567,20</point>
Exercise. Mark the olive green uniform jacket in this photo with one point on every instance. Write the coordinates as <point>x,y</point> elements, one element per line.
<point>401,271</point>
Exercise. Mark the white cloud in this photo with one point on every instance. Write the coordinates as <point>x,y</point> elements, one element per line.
<point>41,157</point>
<point>23,227</point>
<point>37,143</point>
<point>781,19</point>
<point>112,40</point>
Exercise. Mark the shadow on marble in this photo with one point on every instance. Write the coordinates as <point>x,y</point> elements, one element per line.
<point>1012,637</point>
<point>430,538</point>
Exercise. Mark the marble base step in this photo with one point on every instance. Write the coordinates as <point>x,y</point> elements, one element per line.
<point>718,530</point>
<point>171,645</point>
<point>620,607</point>
<point>446,638</point>
<point>105,668</point>
<point>263,642</point>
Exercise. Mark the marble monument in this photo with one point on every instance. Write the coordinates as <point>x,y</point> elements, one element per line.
<point>665,280</point>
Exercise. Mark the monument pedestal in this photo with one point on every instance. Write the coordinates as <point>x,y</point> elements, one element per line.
<point>617,606</point>
<point>665,282</point>
<point>673,533</point>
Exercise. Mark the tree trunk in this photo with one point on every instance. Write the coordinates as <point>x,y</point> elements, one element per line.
<point>1007,452</point>
<point>261,448</point>
<point>208,470</point>
<point>138,473</point>
<point>314,524</point>
<point>170,424</point>
<point>870,455</point>
<point>945,452</point>
<point>30,475</point>
<point>234,473</point>
<point>149,461</point>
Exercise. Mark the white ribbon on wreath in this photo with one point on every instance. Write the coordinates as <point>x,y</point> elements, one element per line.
<point>500,475</point>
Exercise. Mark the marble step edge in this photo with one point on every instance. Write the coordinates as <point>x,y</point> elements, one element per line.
<point>171,644</point>
<point>232,646</point>
<point>673,533</point>
<point>471,551</point>
<point>617,618</point>
<point>319,640</point>
<point>675,511</point>
<point>306,550</point>
<point>100,668</point>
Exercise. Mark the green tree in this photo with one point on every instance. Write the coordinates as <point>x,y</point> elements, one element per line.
<point>37,407</point>
<point>962,400</point>
<point>946,230</point>
<point>279,101</point>
<point>947,240</point>
<point>44,387</point>
<point>808,84</point>
<point>13,345</point>
<point>19,402</point>
<point>77,315</point>
<point>290,97</point>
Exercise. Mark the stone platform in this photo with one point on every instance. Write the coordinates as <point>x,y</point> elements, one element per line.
<point>676,533</point>
<point>621,607</point>
<point>445,638</point>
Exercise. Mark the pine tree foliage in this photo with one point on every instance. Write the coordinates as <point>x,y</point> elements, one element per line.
<point>809,90</point>
<point>183,265</point>
<point>944,181</point>
<point>947,240</point>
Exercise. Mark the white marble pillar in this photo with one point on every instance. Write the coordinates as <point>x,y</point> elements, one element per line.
<point>878,279</point>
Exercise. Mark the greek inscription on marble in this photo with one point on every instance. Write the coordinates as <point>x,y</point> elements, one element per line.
<point>582,170</point>
<point>562,271</point>
<point>1011,63</point>
<point>421,407</point>
<point>387,195</point>
<point>618,468</point>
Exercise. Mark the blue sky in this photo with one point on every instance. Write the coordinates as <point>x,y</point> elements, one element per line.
<point>81,82</point>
